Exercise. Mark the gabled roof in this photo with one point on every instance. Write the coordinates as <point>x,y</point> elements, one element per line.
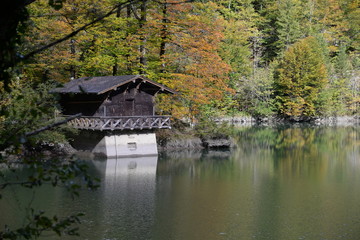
<point>100,85</point>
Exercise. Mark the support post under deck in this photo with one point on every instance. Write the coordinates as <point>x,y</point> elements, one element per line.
<point>130,144</point>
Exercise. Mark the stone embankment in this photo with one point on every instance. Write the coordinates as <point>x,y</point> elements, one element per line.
<point>274,121</point>
<point>338,121</point>
<point>241,121</point>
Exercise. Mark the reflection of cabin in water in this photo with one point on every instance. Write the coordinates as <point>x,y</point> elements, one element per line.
<point>115,103</point>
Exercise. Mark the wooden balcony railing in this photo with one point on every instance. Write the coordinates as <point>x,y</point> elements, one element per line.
<point>121,123</point>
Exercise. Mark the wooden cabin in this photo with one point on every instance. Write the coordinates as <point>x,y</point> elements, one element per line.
<point>113,102</point>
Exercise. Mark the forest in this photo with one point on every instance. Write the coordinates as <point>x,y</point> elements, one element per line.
<point>295,59</point>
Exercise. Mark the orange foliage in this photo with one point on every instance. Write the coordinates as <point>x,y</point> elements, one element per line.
<point>200,75</point>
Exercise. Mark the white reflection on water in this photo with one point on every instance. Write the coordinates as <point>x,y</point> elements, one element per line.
<point>143,167</point>
<point>127,198</point>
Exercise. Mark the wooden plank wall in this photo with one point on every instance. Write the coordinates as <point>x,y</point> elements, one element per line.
<point>123,102</point>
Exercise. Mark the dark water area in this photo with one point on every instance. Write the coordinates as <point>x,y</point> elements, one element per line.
<point>279,183</point>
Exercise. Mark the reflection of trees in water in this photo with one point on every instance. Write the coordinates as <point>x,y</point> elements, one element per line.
<point>195,163</point>
<point>267,152</point>
<point>280,183</point>
<point>302,173</point>
<point>300,149</point>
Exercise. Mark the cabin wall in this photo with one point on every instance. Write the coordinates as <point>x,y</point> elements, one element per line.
<point>88,105</point>
<point>123,102</point>
<point>144,104</point>
<point>127,103</point>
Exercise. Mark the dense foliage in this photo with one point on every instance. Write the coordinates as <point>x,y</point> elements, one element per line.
<point>223,57</point>
<point>215,53</point>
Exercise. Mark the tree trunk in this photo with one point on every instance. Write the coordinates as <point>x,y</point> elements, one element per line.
<point>142,49</point>
<point>164,36</point>
<point>12,13</point>
<point>116,67</point>
<point>128,60</point>
<point>72,51</point>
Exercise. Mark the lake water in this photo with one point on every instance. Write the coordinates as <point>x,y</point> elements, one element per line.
<point>279,183</point>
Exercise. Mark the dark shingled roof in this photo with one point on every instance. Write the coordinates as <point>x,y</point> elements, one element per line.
<point>100,85</point>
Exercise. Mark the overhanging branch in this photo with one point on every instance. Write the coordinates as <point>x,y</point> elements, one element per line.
<point>52,125</point>
<point>112,11</point>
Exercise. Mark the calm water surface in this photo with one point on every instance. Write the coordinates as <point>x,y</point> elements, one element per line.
<point>280,183</point>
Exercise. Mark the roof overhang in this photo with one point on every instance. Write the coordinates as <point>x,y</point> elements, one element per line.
<point>101,85</point>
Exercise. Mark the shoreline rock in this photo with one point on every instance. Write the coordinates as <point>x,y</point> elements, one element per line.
<point>180,143</point>
<point>196,143</point>
<point>59,149</point>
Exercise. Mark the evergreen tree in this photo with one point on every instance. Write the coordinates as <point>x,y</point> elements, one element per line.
<point>239,29</point>
<point>288,22</point>
<point>280,25</point>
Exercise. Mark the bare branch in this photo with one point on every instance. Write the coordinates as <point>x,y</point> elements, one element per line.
<point>174,3</point>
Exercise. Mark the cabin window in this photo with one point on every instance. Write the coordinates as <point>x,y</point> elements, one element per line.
<point>132,146</point>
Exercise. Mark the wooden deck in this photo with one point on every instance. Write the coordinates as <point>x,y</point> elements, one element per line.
<point>121,123</point>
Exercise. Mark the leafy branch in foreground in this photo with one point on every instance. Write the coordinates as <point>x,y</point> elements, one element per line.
<point>71,174</point>
<point>23,113</point>
<point>54,172</point>
<point>39,223</point>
